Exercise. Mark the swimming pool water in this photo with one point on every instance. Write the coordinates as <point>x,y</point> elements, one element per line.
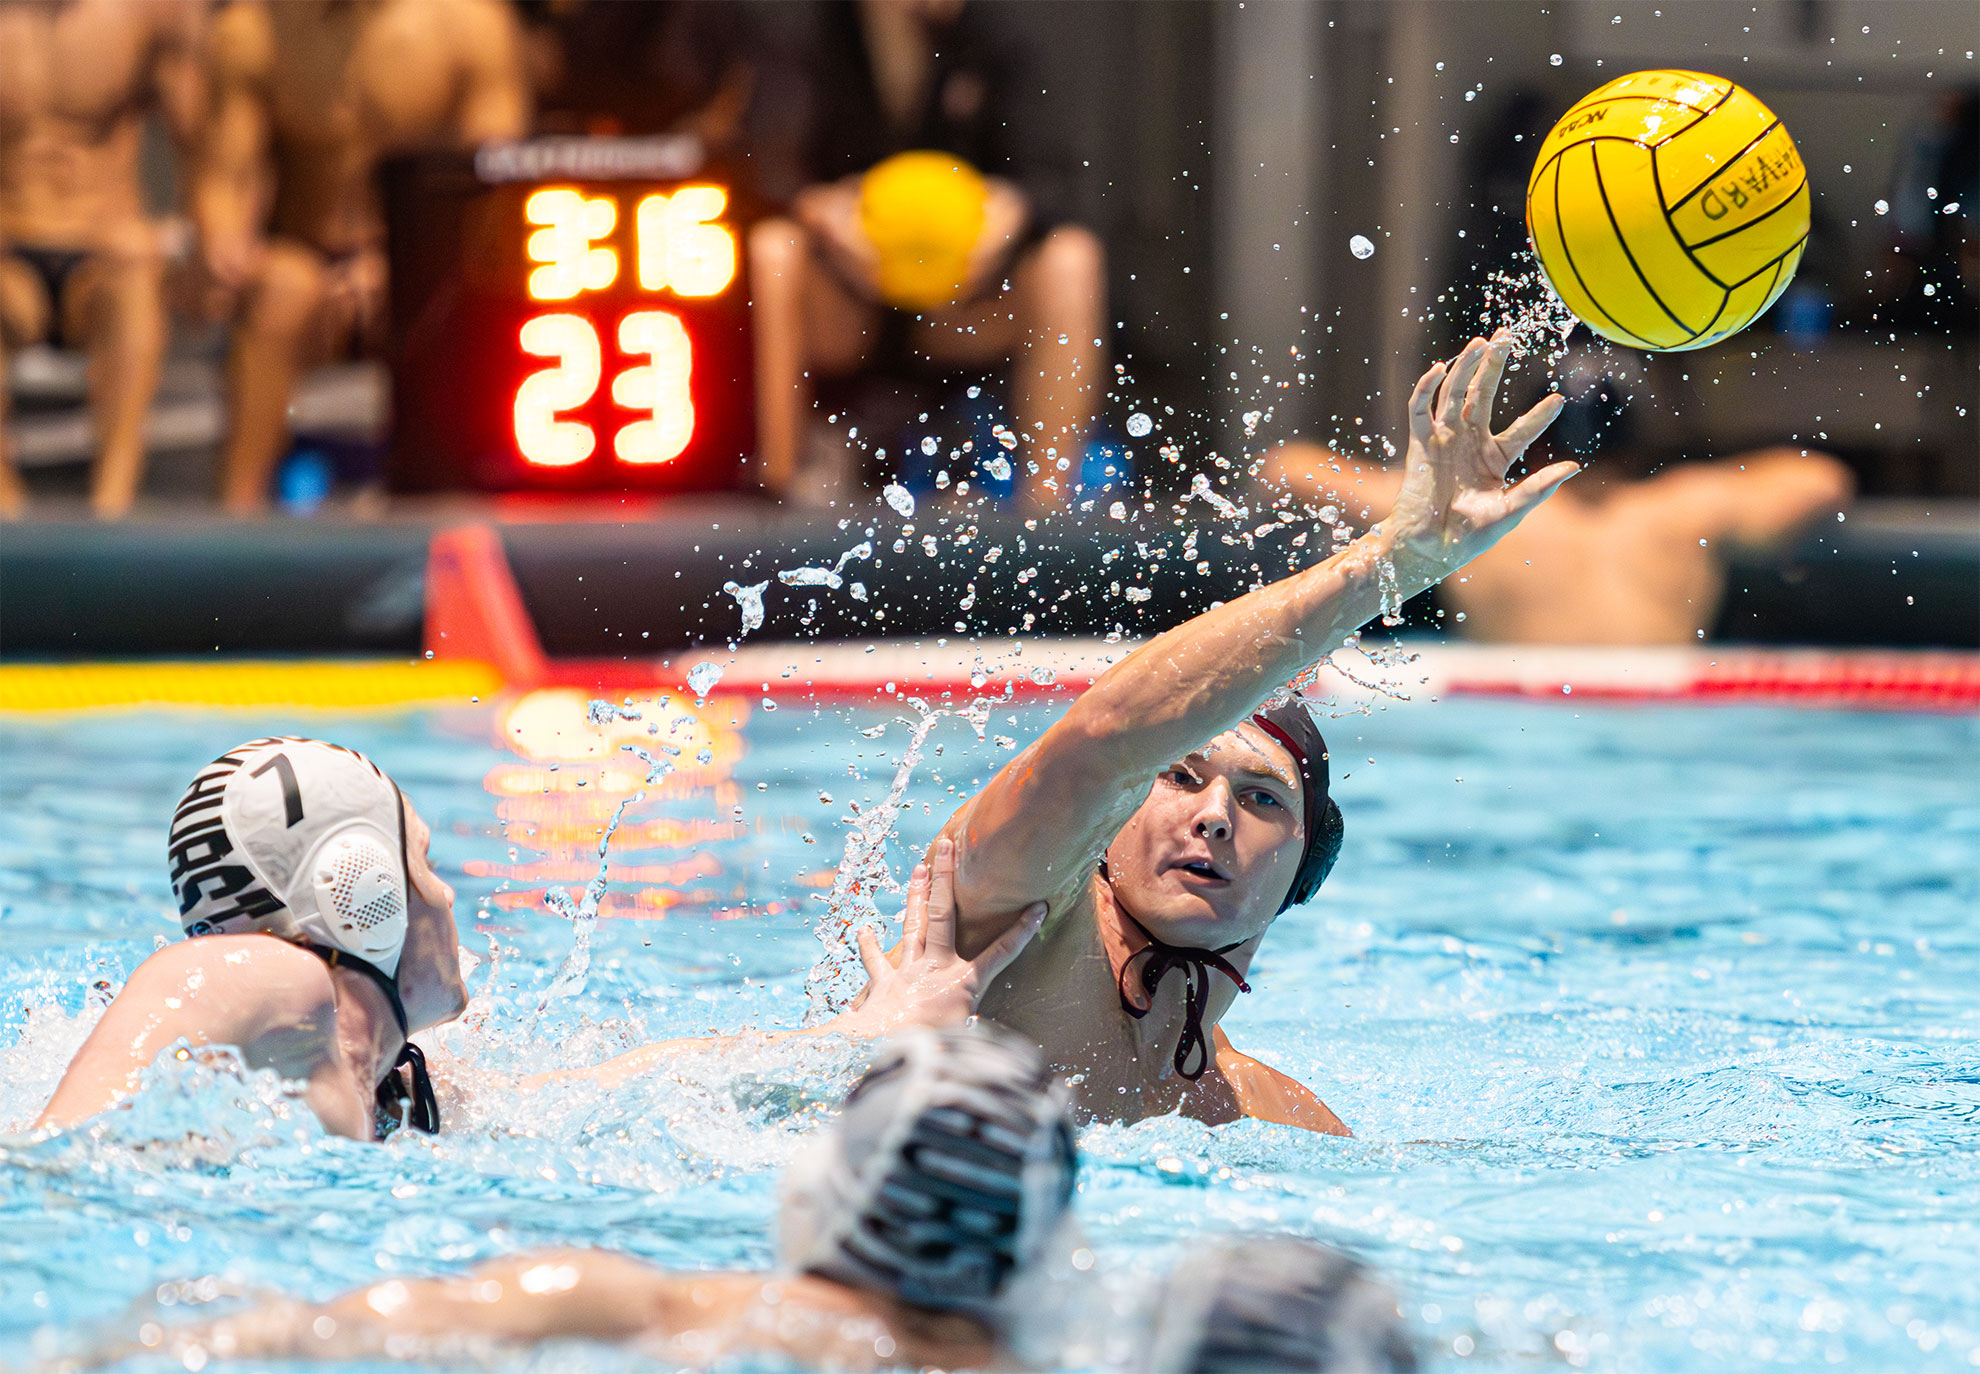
<point>1657,1027</point>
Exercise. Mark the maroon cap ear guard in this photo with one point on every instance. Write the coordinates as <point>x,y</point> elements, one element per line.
<point>1292,727</point>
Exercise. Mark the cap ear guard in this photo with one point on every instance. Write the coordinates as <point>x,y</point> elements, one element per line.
<point>295,838</point>
<point>948,1170</point>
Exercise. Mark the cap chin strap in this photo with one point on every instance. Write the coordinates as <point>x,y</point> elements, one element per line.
<point>1195,963</point>
<point>419,1108</point>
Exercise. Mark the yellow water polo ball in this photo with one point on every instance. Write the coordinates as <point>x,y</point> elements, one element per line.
<point>923,213</point>
<point>1668,209</point>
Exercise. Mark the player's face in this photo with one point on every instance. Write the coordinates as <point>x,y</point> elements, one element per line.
<point>429,974</point>
<point>1209,856</point>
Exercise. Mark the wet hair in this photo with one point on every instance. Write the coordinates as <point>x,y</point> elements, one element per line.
<point>1291,725</point>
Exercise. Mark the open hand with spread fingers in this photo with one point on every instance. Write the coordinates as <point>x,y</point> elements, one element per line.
<point>925,983</point>
<point>1455,502</point>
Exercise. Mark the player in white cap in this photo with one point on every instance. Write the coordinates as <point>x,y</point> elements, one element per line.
<point>323,940</point>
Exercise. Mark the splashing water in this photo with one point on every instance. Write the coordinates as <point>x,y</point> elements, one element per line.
<point>998,466</point>
<point>1199,487</point>
<point>1392,598</point>
<point>1139,426</point>
<point>1520,299</point>
<point>863,871</point>
<point>899,497</point>
<point>750,601</point>
<point>826,577</point>
<point>703,676</point>
<point>583,913</point>
<point>1361,247</point>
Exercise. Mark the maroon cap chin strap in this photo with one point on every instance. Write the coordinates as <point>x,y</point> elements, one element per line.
<point>1196,965</point>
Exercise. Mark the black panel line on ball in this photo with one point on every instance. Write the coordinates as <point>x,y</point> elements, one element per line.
<point>1759,219</point>
<point>1657,180</point>
<point>1775,263</point>
<point>1711,339</point>
<point>1623,239</point>
<point>1732,161</point>
<point>1568,253</point>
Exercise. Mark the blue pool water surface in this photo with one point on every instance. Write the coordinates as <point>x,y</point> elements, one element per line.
<point>1657,1027</point>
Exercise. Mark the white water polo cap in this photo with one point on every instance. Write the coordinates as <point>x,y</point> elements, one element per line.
<point>294,838</point>
<point>949,1169</point>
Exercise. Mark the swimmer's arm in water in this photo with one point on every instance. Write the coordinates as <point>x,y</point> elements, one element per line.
<point>1263,1092</point>
<point>585,1295</point>
<point>921,982</point>
<point>269,998</point>
<point>1036,830</point>
<point>1758,501</point>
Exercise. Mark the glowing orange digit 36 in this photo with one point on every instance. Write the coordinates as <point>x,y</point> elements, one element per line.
<point>660,388</point>
<point>542,437</point>
<point>679,249</point>
<point>564,245</point>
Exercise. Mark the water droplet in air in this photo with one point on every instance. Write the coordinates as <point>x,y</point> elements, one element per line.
<point>1882,207</point>
<point>1360,246</point>
<point>1454,138</point>
<point>1566,690</point>
<point>1553,59</point>
<point>1118,511</point>
<point>1139,426</point>
<point>899,497</point>
<point>998,467</point>
<point>700,678</point>
<point>929,445</point>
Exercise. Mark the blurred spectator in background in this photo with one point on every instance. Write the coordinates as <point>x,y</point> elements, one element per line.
<point>81,262</point>
<point>891,76</point>
<point>1617,557</point>
<point>308,99</point>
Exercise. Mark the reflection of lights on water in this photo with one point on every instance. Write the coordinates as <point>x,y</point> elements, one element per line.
<point>573,772</point>
<point>553,725</point>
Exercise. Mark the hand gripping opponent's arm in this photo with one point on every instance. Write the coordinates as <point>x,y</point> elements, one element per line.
<point>1035,831</point>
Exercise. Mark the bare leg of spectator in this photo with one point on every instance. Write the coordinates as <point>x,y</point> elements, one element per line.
<point>275,326</point>
<point>804,323</point>
<point>778,263</point>
<point>121,304</point>
<point>23,319</point>
<point>1061,288</point>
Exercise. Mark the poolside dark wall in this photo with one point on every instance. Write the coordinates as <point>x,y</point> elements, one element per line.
<point>598,590</point>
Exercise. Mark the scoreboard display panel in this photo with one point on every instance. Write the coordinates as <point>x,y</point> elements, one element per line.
<point>569,314</point>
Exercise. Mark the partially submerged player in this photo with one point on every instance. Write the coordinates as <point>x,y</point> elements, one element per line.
<point>322,939</point>
<point>1623,558</point>
<point>904,1225</point>
<point>915,1232</point>
<point>1167,820</point>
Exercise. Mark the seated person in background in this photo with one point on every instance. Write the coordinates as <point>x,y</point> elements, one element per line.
<point>945,1177</point>
<point>81,264</point>
<point>1617,559</point>
<point>323,938</point>
<point>1168,819</point>
<point>309,99</point>
<point>888,76</point>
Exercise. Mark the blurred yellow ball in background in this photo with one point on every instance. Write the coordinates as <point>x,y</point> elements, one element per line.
<point>923,213</point>
<point>1668,209</point>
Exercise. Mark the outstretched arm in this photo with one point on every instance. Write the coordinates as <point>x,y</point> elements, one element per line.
<point>1758,500</point>
<point>1038,827</point>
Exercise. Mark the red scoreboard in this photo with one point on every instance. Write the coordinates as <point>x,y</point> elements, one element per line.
<point>569,313</point>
